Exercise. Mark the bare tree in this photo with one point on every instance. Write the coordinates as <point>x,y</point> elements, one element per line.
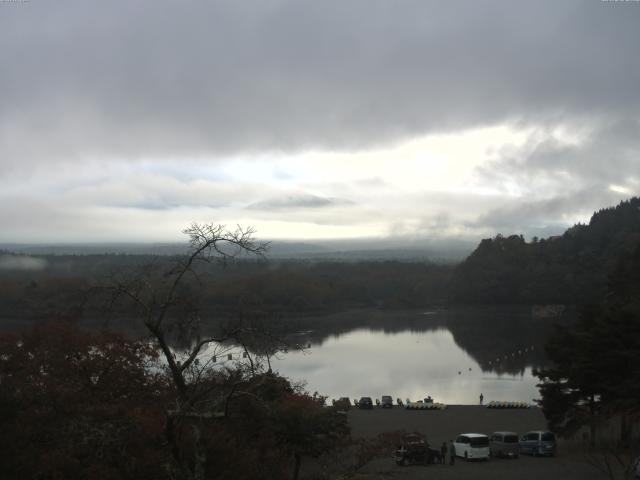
<point>162,301</point>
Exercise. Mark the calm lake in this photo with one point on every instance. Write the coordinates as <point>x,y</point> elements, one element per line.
<point>454,356</point>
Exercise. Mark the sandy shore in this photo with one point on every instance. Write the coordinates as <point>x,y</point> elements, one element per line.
<point>444,425</point>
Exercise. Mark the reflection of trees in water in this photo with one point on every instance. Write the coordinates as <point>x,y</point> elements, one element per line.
<point>500,340</point>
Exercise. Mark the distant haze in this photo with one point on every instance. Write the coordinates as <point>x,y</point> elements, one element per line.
<point>406,120</point>
<point>449,251</point>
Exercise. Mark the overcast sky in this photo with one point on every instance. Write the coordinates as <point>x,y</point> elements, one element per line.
<point>128,120</point>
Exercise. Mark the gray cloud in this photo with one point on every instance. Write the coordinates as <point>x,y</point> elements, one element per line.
<point>609,153</point>
<point>299,201</point>
<point>561,183</point>
<point>545,217</point>
<point>153,79</point>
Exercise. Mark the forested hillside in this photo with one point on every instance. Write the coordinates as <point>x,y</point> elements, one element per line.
<point>568,269</point>
<point>64,284</point>
<point>571,269</point>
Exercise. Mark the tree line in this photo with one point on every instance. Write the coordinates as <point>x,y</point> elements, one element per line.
<point>572,268</point>
<point>275,287</point>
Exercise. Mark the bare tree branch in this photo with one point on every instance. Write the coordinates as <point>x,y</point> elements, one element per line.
<point>196,350</point>
<point>162,305</point>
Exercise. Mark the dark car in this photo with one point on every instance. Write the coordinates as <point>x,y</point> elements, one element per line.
<point>386,401</point>
<point>415,450</point>
<point>365,402</point>
<point>538,443</point>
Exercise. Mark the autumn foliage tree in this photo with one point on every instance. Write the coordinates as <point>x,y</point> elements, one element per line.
<point>78,405</point>
<point>304,428</point>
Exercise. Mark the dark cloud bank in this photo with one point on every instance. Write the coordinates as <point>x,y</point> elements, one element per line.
<point>164,80</point>
<point>159,78</point>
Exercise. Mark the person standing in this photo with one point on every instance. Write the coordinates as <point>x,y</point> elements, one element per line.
<point>443,453</point>
<point>452,452</point>
<point>481,398</point>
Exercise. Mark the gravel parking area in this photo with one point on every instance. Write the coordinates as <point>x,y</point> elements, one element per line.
<point>523,468</point>
<point>443,425</point>
<point>439,426</point>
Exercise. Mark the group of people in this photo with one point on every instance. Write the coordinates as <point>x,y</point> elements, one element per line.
<point>451,449</point>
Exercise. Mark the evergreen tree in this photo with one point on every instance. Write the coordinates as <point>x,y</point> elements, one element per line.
<point>595,363</point>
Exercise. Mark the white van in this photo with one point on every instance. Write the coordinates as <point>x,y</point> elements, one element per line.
<point>472,446</point>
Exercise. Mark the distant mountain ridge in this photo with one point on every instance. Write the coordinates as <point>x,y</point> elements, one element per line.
<point>572,268</point>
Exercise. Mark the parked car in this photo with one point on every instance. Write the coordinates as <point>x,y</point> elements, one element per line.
<point>343,403</point>
<point>538,442</point>
<point>386,401</point>
<point>365,402</point>
<point>504,444</point>
<point>415,450</point>
<point>472,446</point>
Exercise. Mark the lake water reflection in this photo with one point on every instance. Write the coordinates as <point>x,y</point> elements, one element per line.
<point>452,356</point>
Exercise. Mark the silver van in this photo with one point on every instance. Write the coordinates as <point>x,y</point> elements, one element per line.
<point>538,442</point>
<point>504,444</point>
